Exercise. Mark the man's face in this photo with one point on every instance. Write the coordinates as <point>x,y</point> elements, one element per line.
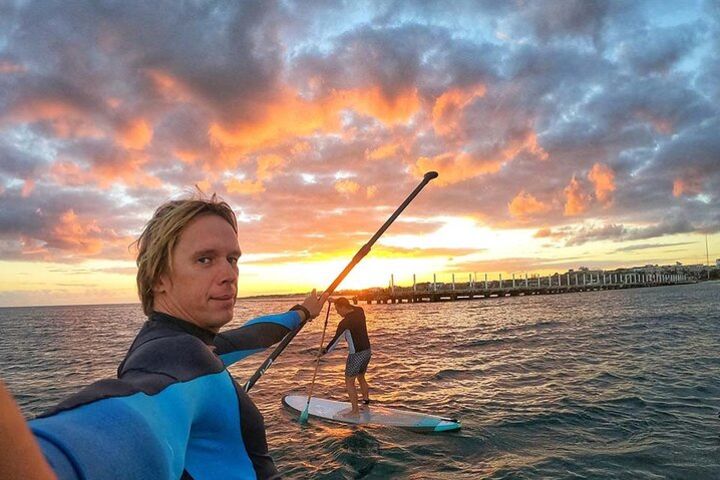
<point>341,310</point>
<point>202,285</point>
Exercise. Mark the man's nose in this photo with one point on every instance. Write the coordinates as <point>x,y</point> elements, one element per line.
<point>229,273</point>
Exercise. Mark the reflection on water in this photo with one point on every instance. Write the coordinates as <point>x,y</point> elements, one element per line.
<point>592,385</point>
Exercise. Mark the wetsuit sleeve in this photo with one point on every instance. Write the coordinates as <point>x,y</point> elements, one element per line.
<point>342,326</point>
<point>255,336</point>
<point>125,435</point>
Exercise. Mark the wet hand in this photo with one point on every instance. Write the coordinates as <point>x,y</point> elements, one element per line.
<point>314,303</point>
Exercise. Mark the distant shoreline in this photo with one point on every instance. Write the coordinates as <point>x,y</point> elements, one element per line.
<point>272,296</point>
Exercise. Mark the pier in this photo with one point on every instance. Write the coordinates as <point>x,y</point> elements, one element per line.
<point>500,287</point>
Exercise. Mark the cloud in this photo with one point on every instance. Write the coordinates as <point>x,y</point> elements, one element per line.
<point>603,178</point>
<point>346,186</point>
<point>135,135</point>
<point>659,49</point>
<point>577,200</point>
<point>595,233</point>
<point>449,106</point>
<point>650,246</point>
<point>690,185</point>
<point>668,226</point>
<point>525,205</point>
<point>567,18</point>
<point>485,159</point>
<point>619,232</point>
<point>244,187</point>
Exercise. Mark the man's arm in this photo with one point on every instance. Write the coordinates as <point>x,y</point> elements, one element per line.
<point>255,336</point>
<point>20,455</point>
<point>260,333</point>
<point>342,326</point>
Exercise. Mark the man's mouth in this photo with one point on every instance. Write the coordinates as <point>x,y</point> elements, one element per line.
<point>223,298</point>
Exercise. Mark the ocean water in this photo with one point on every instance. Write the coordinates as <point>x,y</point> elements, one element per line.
<point>614,384</point>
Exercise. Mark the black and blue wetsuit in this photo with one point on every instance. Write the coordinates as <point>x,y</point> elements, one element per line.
<point>173,412</point>
<point>354,329</point>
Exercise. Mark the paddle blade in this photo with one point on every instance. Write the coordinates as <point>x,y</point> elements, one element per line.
<point>304,416</point>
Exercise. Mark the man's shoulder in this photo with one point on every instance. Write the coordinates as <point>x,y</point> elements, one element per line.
<point>179,355</point>
<point>357,312</point>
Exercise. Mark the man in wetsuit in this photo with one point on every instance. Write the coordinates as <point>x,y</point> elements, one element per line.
<point>354,329</point>
<point>174,411</point>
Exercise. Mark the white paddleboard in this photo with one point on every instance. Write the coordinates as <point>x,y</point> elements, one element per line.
<point>371,415</point>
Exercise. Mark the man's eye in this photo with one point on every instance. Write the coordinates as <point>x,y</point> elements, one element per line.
<point>233,260</point>
<point>204,260</point>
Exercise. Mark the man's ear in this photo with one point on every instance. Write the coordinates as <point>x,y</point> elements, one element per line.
<point>162,284</point>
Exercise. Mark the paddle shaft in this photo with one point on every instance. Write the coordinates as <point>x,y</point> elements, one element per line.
<point>317,361</point>
<point>364,250</point>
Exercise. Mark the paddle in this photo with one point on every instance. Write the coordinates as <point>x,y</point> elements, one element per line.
<point>306,412</point>
<point>364,250</point>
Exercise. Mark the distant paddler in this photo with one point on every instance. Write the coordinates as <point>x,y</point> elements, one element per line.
<point>353,327</point>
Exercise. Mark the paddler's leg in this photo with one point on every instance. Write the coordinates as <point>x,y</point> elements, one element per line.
<point>364,388</point>
<point>352,393</point>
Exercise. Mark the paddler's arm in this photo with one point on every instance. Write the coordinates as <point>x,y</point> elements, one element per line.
<point>342,326</point>
<point>20,455</point>
<point>262,332</point>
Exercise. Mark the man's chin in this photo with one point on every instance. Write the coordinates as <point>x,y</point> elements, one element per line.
<point>224,317</point>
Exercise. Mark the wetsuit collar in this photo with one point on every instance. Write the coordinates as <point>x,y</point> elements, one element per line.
<point>206,336</point>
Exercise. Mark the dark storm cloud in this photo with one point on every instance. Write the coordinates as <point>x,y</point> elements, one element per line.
<point>669,226</point>
<point>16,163</point>
<point>657,50</point>
<point>563,18</point>
<point>226,54</point>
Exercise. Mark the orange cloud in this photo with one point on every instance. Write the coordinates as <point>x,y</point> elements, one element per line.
<point>448,107</point>
<point>346,186</point>
<point>371,191</point>
<point>290,116</point>
<point>135,135</point>
<point>65,119</point>
<point>73,234</point>
<point>244,187</point>
<point>576,200</point>
<point>688,185</point>
<point>525,205</point>
<point>603,178</point>
<point>269,165</point>
<point>382,152</point>
<point>543,233</point>
<point>457,167</point>
<point>128,170</point>
<point>204,185</point>
<point>374,103</point>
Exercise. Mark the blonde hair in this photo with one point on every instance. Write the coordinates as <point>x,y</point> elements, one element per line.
<point>157,241</point>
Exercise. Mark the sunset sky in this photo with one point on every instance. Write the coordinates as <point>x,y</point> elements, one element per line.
<point>566,133</point>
